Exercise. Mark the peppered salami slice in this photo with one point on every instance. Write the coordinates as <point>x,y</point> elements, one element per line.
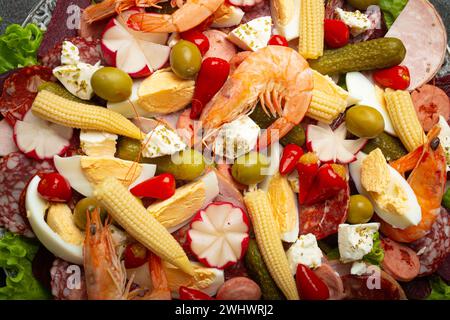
<point>323,219</point>
<point>434,247</point>
<point>401,262</point>
<point>444,269</point>
<point>20,89</point>
<point>67,281</point>
<point>15,171</point>
<point>90,52</point>
<point>261,9</point>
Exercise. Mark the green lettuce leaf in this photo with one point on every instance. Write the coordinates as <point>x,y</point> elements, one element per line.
<point>16,256</point>
<point>375,256</point>
<point>391,10</point>
<point>18,46</point>
<point>439,289</point>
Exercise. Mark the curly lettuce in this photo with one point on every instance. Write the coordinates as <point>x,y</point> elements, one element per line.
<point>391,10</point>
<point>16,256</point>
<point>19,46</point>
<point>439,289</point>
<point>376,255</point>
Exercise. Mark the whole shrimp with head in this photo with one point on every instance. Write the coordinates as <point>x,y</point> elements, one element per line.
<point>105,274</point>
<point>277,76</point>
<point>427,179</point>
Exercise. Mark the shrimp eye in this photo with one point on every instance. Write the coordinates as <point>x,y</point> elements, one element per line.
<point>93,229</point>
<point>435,143</point>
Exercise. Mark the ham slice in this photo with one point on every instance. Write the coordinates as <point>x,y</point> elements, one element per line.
<point>422,31</point>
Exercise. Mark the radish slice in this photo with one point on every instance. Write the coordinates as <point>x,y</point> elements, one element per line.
<point>331,146</point>
<point>7,144</point>
<point>40,139</point>
<point>244,3</point>
<point>219,235</point>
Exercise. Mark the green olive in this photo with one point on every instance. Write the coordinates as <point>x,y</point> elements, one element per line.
<point>249,168</point>
<point>184,165</point>
<point>111,84</point>
<point>82,207</point>
<point>362,4</point>
<point>364,121</point>
<point>128,149</point>
<point>360,209</point>
<point>185,59</point>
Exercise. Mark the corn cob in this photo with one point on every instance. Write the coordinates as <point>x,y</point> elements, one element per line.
<point>312,14</point>
<point>60,110</point>
<point>404,118</point>
<point>267,237</point>
<point>134,218</point>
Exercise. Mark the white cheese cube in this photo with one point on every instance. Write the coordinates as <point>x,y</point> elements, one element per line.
<point>77,78</point>
<point>97,143</point>
<point>444,137</point>
<point>70,54</point>
<point>305,251</point>
<point>231,17</point>
<point>236,138</point>
<point>162,141</point>
<point>355,241</point>
<point>252,35</point>
<point>357,22</point>
<point>358,268</point>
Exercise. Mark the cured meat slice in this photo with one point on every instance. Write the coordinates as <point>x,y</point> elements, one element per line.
<point>330,8</point>
<point>7,144</point>
<point>422,31</point>
<point>67,281</point>
<point>443,83</point>
<point>444,269</point>
<point>219,46</point>
<point>262,9</point>
<point>399,261</point>
<point>333,281</point>
<point>323,219</point>
<point>417,289</point>
<point>90,52</point>
<point>237,270</point>
<point>15,171</point>
<point>20,89</point>
<point>435,246</point>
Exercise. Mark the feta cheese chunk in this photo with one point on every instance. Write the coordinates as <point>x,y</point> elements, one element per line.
<point>355,241</point>
<point>252,35</point>
<point>97,143</point>
<point>444,137</point>
<point>305,251</point>
<point>236,138</point>
<point>161,141</point>
<point>357,22</point>
<point>69,53</point>
<point>77,78</point>
<point>358,268</point>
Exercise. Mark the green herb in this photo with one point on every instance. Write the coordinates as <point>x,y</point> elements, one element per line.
<point>333,254</point>
<point>439,289</point>
<point>16,256</point>
<point>446,199</point>
<point>391,10</point>
<point>375,256</point>
<point>18,46</point>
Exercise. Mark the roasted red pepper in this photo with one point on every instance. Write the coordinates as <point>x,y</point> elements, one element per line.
<point>160,187</point>
<point>396,78</point>
<point>278,40</point>
<point>336,33</point>
<point>198,38</point>
<point>290,157</point>
<point>211,77</point>
<point>135,255</point>
<point>309,285</point>
<point>327,183</point>
<point>54,187</point>
<point>307,168</point>
<point>192,294</point>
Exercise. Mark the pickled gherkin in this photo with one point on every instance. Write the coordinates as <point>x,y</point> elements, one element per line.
<point>391,147</point>
<point>368,55</point>
<point>61,91</point>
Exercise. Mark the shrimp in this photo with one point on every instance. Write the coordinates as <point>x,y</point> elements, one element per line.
<point>427,179</point>
<point>108,8</point>
<point>190,15</point>
<point>279,77</point>
<point>160,287</point>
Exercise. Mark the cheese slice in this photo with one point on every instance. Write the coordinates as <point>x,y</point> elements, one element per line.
<point>252,35</point>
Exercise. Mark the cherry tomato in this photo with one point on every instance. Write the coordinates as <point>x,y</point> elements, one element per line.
<point>54,187</point>
<point>160,187</point>
<point>192,294</point>
<point>211,77</point>
<point>135,255</point>
<point>309,285</point>
<point>277,40</point>
<point>198,38</point>
<point>336,33</point>
<point>396,78</point>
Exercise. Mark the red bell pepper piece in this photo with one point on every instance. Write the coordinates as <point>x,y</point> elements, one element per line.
<point>336,33</point>
<point>277,40</point>
<point>211,77</point>
<point>306,174</point>
<point>309,285</point>
<point>327,183</point>
<point>54,187</point>
<point>198,38</point>
<point>396,78</point>
<point>192,294</point>
<point>159,187</point>
<point>290,157</point>
<point>135,255</point>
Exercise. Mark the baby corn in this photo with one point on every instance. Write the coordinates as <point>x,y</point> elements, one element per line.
<point>54,108</point>
<point>140,224</point>
<point>312,14</point>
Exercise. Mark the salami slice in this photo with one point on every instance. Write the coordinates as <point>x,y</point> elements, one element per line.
<point>333,281</point>
<point>20,89</point>
<point>262,9</point>
<point>323,219</point>
<point>219,46</point>
<point>444,269</point>
<point>417,289</point>
<point>330,8</point>
<point>443,83</point>
<point>434,247</point>
<point>67,281</point>
<point>15,170</point>
<point>7,144</point>
<point>399,261</point>
<point>90,52</point>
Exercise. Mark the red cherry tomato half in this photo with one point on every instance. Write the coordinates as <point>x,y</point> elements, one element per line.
<point>54,187</point>
<point>277,40</point>
<point>135,255</point>
<point>309,285</point>
<point>198,38</point>
<point>336,33</point>
<point>396,78</point>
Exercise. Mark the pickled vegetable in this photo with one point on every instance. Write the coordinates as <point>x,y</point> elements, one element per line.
<point>185,59</point>
<point>368,55</point>
<point>128,149</point>
<point>111,84</point>
<point>81,209</point>
<point>60,91</point>
<point>391,147</point>
<point>364,122</point>
<point>249,168</point>
<point>446,199</point>
<point>360,209</point>
<point>362,4</point>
